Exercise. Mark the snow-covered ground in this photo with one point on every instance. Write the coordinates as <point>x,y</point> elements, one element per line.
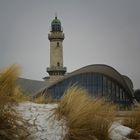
<point>119,132</point>
<point>45,126</point>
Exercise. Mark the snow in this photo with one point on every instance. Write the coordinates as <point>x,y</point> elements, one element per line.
<point>44,125</point>
<point>119,132</point>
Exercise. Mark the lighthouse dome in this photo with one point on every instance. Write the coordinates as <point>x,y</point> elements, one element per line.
<point>56,25</point>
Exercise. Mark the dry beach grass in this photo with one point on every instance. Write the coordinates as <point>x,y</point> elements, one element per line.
<point>87,118</point>
<point>43,100</point>
<point>133,121</point>
<point>10,128</point>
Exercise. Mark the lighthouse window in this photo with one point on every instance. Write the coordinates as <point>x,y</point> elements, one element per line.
<point>58,64</point>
<point>57,44</point>
<point>53,27</point>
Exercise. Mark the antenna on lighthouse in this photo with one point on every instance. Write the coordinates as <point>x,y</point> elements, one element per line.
<point>56,15</point>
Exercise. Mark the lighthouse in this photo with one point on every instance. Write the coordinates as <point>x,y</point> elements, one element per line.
<point>56,70</point>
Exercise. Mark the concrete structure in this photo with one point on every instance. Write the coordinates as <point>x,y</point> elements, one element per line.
<point>56,37</point>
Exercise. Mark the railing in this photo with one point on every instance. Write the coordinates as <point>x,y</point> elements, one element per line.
<point>56,35</point>
<point>56,69</point>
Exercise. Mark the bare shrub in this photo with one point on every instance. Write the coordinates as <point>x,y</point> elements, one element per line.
<point>86,117</point>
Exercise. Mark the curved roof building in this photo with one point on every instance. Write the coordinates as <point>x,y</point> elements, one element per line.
<point>99,80</point>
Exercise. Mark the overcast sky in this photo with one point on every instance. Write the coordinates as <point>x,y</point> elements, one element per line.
<point>96,32</point>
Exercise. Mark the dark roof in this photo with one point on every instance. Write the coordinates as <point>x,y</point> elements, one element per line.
<point>30,87</point>
<point>102,69</point>
<point>56,21</point>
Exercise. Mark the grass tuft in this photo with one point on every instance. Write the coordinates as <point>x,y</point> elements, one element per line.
<point>133,120</point>
<point>12,127</point>
<point>86,117</point>
<point>8,79</point>
<point>134,135</point>
<point>18,95</point>
<point>43,100</point>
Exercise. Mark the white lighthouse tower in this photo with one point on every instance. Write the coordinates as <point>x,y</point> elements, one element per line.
<point>56,69</point>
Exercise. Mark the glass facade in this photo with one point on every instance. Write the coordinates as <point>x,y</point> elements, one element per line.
<point>96,84</point>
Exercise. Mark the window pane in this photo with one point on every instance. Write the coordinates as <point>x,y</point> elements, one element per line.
<point>104,85</point>
<point>100,85</point>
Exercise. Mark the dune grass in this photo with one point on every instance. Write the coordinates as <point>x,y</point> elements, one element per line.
<point>18,95</point>
<point>133,120</point>
<point>12,127</point>
<point>87,118</point>
<point>8,79</point>
<point>8,85</point>
<point>43,99</point>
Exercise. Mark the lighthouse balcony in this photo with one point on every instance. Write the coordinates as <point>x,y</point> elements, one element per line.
<point>56,35</point>
<point>57,69</point>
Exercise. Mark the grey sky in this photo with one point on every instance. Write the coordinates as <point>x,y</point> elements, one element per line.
<point>96,31</point>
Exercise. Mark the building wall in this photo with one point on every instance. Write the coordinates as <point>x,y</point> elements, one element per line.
<point>96,84</point>
<point>56,54</point>
<point>54,78</point>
